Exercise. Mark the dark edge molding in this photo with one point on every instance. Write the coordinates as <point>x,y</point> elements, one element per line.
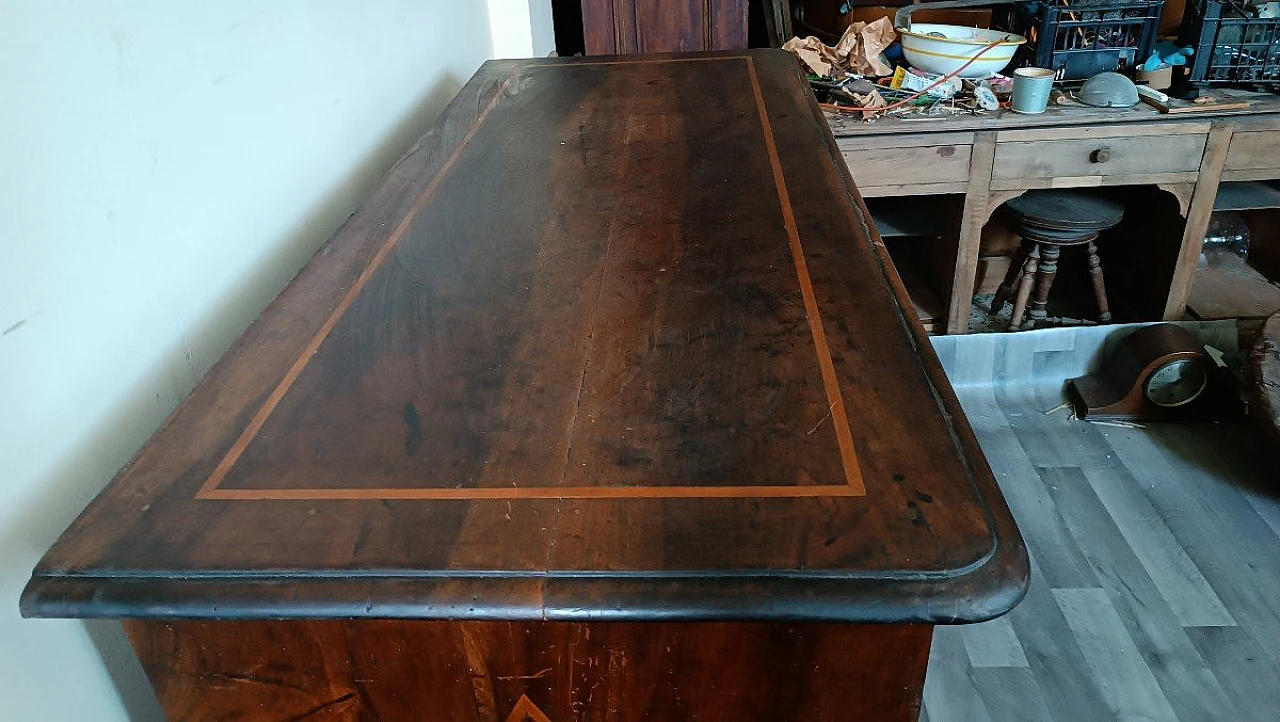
<point>703,599</point>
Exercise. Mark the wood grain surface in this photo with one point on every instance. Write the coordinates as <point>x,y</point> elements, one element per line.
<point>656,26</point>
<point>509,672</point>
<point>603,345</point>
<point>1057,117</point>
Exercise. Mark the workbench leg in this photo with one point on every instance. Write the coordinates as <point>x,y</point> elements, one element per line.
<point>1198,212</point>
<point>969,236</point>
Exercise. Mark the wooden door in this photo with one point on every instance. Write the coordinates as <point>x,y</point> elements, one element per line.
<point>661,26</point>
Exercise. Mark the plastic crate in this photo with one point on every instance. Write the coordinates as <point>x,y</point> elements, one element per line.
<point>1231,47</point>
<point>1080,39</point>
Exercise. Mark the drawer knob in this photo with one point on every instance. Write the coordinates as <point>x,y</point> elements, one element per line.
<point>1101,155</point>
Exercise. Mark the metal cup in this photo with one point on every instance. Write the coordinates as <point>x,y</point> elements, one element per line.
<point>1031,88</point>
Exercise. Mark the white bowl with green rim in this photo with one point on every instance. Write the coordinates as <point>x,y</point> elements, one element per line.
<point>943,49</point>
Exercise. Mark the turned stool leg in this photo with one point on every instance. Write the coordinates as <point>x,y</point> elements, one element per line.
<point>1024,287</point>
<point>1099,286</point>
<point>1044,280</point>
<point>1005,292</point>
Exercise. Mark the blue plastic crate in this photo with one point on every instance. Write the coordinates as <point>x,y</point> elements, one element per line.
<point>1232,46</point>
<point>1080,39</point>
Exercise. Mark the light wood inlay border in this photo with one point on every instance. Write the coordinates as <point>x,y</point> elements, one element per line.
<point>511,493</point>
<point>853,473</point>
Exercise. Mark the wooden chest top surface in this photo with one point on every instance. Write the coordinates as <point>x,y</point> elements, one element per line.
<point>613,340</point>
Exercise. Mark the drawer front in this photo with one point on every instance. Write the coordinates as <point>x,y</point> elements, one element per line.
<point>1253,150</point>
<point>925,165</point>
<point>1083,157</point>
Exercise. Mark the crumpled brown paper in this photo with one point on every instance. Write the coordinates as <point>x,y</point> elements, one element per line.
<point>869,103</point>
<point>858,50</point>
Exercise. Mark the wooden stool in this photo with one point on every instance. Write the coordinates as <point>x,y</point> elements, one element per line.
<point>1046,221</point>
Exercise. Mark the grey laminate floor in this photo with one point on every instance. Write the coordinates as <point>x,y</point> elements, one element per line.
<point>1155,590</point>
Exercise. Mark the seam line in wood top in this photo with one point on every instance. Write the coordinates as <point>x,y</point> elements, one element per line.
<point>241,443</point>
<point>853,485</point>
<point>853,473</point>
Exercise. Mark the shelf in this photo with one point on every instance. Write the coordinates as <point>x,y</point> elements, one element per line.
<point>909,216</point>
<point>1246,196</point>
<point>1231,288</point>
<point>929,308</point>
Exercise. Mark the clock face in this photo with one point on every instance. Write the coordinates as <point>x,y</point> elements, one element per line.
<point>1176,383</point>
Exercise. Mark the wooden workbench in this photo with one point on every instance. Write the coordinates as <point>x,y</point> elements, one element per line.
<point>988,159</point>
<point>603,407</point>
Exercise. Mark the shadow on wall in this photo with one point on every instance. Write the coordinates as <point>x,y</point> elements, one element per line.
<point>66,490</point>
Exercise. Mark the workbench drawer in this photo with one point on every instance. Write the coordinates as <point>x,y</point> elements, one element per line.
<point>912,163</point>
<point>1253,150</point>
<point>1076,161</point>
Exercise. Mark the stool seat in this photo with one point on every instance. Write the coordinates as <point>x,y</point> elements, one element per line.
<point>1057,237</point>
<point>1057,210</point>
<point>1048,220</point>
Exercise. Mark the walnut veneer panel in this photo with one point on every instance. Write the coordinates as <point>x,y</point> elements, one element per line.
<point>387,670</point>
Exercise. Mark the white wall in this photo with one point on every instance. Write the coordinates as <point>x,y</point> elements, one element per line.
<point>542,28</point>
<point>522,28</point>
<point>165,168</point>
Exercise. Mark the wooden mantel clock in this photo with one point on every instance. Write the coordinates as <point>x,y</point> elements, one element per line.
<point>1159,372</point>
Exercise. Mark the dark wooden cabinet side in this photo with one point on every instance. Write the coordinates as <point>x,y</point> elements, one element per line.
<point>620,27</point>
<point>392,670</point>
